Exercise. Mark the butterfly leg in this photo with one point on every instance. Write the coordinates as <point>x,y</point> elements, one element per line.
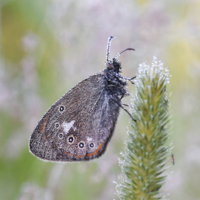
<point>130,79</point>
<point>120,77</point>
<point>119,104</point>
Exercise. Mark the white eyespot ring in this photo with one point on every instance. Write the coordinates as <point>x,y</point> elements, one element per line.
<point>57,125</point>
<point>60,135</point>
<point>70,139</point>
<point>81,145</point>
<point>61,109</point>
<point>91,145</point>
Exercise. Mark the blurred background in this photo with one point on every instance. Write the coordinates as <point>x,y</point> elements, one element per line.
<point>47,47</point>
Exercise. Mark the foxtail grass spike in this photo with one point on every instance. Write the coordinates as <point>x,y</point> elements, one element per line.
<point>146,152</point>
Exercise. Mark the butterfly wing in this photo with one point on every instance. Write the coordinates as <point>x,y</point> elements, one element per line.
<point>79,125</point>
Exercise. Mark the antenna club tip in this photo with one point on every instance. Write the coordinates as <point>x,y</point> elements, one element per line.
<point>131,49</point>
<point>111,37</point>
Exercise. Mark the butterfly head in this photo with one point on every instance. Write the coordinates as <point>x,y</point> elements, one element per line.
<point>114,65</point>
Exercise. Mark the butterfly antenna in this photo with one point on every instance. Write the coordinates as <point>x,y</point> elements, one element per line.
<point>108,47</point>
<point>128,49</point>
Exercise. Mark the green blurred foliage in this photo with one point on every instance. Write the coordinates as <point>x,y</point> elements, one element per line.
<point>46,47</point>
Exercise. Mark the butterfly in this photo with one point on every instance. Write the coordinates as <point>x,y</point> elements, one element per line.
<point>80,124</point>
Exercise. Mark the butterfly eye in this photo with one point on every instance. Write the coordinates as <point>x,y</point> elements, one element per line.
<point>57,125</point>
<point>91,145</point>
<point>60,135</point>
<point>61,108</point>
<point>81,145</point>
<point>70,139</point>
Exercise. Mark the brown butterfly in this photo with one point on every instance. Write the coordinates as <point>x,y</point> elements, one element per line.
<point>80,124</point>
